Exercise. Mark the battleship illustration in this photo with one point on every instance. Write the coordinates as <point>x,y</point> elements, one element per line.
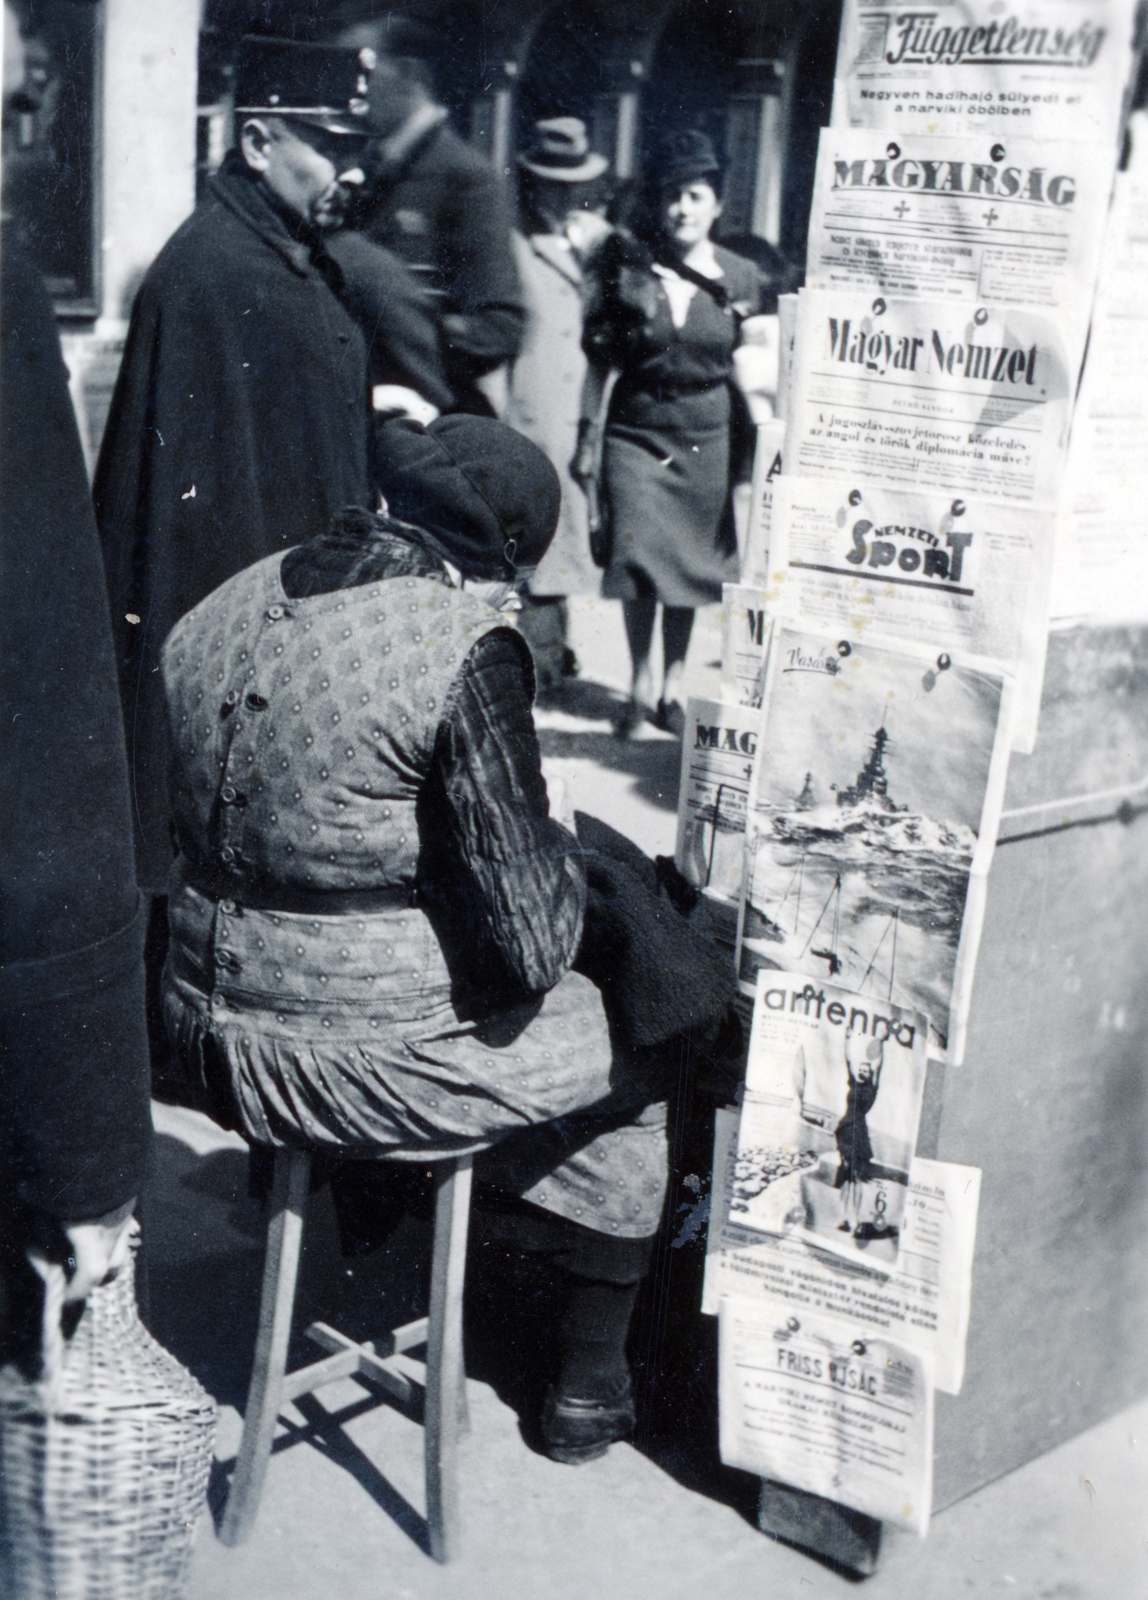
<point>857,865</point>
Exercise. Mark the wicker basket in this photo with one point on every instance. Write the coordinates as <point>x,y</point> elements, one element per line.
<point>104,1462</point>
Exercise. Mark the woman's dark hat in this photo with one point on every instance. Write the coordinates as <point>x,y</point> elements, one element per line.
<point>685,157</point>
<point>320,85</point>
<point>559,149</point>
<point>486,495</point>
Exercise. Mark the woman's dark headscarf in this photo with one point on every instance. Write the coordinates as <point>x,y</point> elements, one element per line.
<point>488,498</point>
<point>467,490</point>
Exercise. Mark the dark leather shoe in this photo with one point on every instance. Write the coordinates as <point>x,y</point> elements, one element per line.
<point>576,1430</point>
<point>671,718</point>
<point>630,720</point>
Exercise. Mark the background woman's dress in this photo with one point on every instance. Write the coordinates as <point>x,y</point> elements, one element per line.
<point>666,467</point>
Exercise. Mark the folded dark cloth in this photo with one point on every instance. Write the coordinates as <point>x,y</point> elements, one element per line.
<point>647,943</point>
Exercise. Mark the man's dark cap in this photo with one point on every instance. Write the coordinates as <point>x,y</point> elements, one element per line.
<point>486,495</point>
<point>687,157</point>
<point>321,85</point>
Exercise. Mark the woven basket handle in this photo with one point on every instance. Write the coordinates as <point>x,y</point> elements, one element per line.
<point>52,1337</point>
<point>55,1294</point>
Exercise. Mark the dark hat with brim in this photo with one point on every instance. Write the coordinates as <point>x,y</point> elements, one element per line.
<point>486,495</point>
<point>320,85</point>
<point>687,157</point>
<point>559,149</point>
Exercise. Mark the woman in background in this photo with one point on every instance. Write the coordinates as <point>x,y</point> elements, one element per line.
<point>660,338</point>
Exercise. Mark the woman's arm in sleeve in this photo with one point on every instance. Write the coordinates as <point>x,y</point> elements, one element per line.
<point>526,867</point>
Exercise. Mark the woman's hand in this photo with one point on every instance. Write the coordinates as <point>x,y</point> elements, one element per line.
<point>584,466</point>
<point>390,400</point>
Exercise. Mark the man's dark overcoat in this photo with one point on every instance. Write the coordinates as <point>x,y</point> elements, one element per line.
<point>239,425</point>
<point>75,1117</point>
<point>443,210</point>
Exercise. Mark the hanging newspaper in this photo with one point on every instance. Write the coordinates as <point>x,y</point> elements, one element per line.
<point>829,1120</point>
<point>1012,223</point>
<point>873,815</point>
<point>717,761</point>
<point>1101,568</point>
<point>970,576</point>
<point>787,324</point>
<point>745,637</point>
<point>962,399</point>
<point>766,470</point>
<point>802,1400</point>
<point>925,1302</point>
<point>1043,69</point>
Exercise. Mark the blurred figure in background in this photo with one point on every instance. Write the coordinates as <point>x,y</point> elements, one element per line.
<point>662,333</point>
<point>561,193</point>
<point>75,1118</point>
<point>438,204</point>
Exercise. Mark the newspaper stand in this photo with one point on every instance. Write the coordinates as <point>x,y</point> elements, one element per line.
<point>1051,1102</point>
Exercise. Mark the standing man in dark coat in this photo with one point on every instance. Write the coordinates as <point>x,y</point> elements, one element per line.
<point>75,1119</point>
<point>241,419</point>
<point>440,206</point>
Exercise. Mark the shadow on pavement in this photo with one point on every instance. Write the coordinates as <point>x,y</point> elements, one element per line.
<point>204,1240</point>
<point>652,764</point>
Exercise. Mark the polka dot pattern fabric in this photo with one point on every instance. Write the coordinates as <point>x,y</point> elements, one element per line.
<point>302,730</point>
<point>338,1032</point>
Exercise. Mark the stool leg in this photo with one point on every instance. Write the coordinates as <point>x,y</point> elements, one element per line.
<point>445,1371</point>
<point>264,1398</point>
<point>463,1406</point>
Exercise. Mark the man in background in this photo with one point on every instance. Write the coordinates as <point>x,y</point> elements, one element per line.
<point>562,187</point>
<point>75,1119</point>
<point>439,205</point>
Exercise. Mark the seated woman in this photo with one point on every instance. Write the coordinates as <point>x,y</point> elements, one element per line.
<point>374,918</point>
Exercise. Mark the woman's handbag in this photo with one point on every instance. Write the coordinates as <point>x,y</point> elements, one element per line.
<point>586,470</point>
<point>103,1461</point>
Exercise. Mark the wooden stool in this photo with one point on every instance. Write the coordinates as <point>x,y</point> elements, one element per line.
<point>441,1331</point>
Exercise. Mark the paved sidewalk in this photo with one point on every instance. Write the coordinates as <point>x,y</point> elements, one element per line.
<point>341,1515</point>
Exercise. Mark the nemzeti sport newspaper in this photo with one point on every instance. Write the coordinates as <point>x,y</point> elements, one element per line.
<point>968,575</point>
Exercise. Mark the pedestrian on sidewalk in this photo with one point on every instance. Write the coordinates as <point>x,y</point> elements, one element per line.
<point>242,404</point>
<point>436,203</point>
<point>661,341</point>
<point>561,188</point>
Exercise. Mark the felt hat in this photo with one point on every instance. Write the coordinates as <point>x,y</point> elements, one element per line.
<point>487,497</point>
<point>559,149</point>
<point>685,157</point>
<point>323,86</point>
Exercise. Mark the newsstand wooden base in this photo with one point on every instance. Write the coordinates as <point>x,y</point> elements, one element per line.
<point>844,1538</point>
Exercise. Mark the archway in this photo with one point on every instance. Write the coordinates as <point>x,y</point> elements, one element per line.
<point>567,73</point>
<point>723,73</point>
